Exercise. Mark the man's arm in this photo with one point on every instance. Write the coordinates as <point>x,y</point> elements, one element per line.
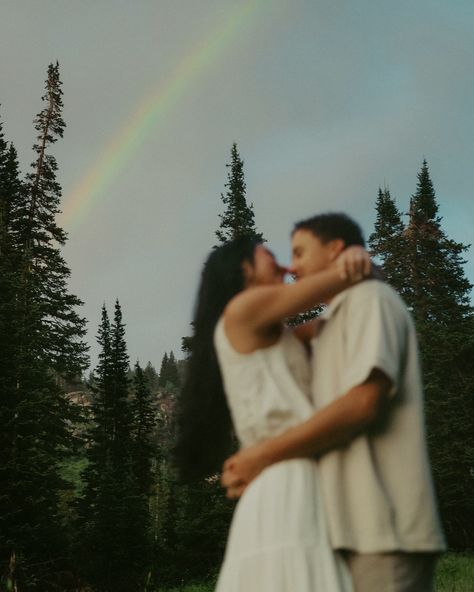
<point>330,427</point>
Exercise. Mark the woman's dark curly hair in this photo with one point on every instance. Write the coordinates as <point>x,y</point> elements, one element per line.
<point>204,428</point>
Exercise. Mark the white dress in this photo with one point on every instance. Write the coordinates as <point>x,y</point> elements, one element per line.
<point>278,539</point>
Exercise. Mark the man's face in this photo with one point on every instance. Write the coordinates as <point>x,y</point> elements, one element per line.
<point>310,254</point>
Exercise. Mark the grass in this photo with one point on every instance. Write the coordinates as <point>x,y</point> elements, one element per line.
<point>192,588</point>
<point>455,573</point>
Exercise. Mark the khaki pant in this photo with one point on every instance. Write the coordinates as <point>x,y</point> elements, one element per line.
<point>391,572</point>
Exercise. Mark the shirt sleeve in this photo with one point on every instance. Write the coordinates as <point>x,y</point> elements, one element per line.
<point>375,338</point>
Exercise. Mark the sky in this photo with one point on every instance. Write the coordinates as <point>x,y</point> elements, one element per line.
<point>327,100</point>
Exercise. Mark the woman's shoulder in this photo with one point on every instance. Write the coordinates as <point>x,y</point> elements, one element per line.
<point>223,343</point>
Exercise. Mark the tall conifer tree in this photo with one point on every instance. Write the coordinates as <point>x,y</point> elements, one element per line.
<point>388,242</point>
<point>10,196</point>
<point>439,287</point>
<point>143,427</point>
<point>120,386</point>
<point>169,374</point>
<point>163,376</point>
<point>173,375</point>
<point>46,299</point>
<point>46,342</point>
<point>151,376</point>
<point>10,200</point>
<point>113,509</point>
<point>238,218</point>
<point>425,266</point>
<point>13,547</point>
<point>439,294</point>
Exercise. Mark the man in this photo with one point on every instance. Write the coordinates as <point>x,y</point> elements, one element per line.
<point>368,431</point>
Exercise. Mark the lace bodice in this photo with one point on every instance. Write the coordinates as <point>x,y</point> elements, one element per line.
<point>268,390</point>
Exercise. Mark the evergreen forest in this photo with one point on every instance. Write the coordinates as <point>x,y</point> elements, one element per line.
<point>89,498</point>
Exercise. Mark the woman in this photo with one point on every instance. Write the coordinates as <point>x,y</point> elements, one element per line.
<point>247,366</point>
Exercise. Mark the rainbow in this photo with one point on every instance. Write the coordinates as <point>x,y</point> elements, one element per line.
<point>152,110</point>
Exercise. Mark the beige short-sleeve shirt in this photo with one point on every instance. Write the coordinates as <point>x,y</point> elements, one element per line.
<point>378,489</point>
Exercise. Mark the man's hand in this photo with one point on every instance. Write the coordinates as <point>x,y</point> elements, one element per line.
<point>241,468</point>
<point>332,426</point>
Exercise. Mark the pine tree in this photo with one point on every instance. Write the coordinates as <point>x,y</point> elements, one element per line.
<point>10,196</point>
<point>172,370</point>
<point>194,531</point>
<point>163,371</point>
<point>151,376</point>
<point>143,427</point>
<point>45,342</point>
<point>120,387</point>
<point>10,546</point>
<point>47,303</point>
<point>95,476</point>
<point>187,343</point>
<point>10,192</point>
<point>190,521</point>
<point>439,287</point>
<point>388,242</point>
<point>238,218</point>
<point>132,538</point>
<point>439,295</point>
<point>113,509</point>
<point>143,469</point>
<point>425,266</point>
<point>10,199</point>
<point>169,374</point>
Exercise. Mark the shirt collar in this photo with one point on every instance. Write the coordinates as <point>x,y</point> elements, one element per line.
<point>339,299</point>
<point>334,305</point>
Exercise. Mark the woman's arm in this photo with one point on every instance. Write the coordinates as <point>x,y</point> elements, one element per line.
<point>263,306</point>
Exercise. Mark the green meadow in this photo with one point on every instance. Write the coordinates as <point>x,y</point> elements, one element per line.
<point>455,573</point>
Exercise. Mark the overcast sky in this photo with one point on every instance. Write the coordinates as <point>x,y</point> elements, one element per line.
<point>326,99</point>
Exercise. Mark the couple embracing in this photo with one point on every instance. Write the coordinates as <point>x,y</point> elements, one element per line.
<point>332,473</point>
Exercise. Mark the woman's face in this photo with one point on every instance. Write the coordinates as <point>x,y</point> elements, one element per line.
<point>264,270</point>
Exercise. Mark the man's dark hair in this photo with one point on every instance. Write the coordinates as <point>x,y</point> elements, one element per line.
<point>332,226</point>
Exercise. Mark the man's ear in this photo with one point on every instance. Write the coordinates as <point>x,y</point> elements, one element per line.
<point>336,247</point>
